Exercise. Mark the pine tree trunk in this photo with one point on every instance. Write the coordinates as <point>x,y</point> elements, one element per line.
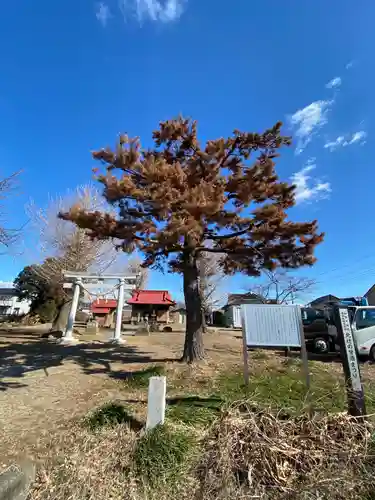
<point>193,348</point>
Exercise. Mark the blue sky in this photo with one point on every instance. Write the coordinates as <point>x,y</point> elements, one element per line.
<point>76,73</point>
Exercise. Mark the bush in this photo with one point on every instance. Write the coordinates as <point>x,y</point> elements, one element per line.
<point>46,311</point>
<point>110,414</point>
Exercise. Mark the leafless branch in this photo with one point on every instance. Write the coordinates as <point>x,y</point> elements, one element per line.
<point>283,288</point>
<point>64,246</point>
<point>8,236</point>
<point>210,280</point>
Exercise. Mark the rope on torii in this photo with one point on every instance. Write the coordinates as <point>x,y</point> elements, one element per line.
<point>125,283</point>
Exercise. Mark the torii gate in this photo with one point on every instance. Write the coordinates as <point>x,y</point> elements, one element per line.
<point>78,282</point>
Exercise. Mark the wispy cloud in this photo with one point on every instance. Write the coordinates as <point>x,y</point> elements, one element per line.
<point>307,121</point>
<point>334,83</point>
<point>103,13</point>
<point>309,188</point>
<point>342,141</point>
<point>350,64</point>
<point>164,11</point>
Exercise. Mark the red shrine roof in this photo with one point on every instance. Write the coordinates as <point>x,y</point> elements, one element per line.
<point>103,306</point>
<point>153,297</point>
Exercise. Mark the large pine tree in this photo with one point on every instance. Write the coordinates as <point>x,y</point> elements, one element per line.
<point>175,197</point>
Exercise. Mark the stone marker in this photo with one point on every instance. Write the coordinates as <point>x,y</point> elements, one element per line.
<point>16,480</point>
<point>157,389</point>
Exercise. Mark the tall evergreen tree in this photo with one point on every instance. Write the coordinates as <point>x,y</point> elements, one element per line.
<point>173,198</point>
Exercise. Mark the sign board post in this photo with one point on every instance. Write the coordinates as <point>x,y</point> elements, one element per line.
<point>273,326</point>
<point>354,388</point>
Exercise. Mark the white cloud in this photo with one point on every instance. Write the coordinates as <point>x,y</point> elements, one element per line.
<point>332,145</point>
<point>358,137</point>
<point>350,65</point>
<point>342,142</point>
<point>308,120</point>
<point>308,188</point>
<point>103,13</point>
<point>163,11</point>
<point>334,83</point>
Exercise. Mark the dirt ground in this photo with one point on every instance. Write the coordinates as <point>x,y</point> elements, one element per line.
<point>44,385</point>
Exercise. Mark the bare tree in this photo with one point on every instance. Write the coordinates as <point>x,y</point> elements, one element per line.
<point>282,288</point>
<point>8,236</point>
<point>134,266</point>
<point>211,278</point>
<point>63,246</point>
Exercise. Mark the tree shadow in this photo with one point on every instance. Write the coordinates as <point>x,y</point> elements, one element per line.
<point>17,359</point>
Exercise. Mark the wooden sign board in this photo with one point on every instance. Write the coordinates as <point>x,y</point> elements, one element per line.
<point>268,325</point>
<point>273,326</point>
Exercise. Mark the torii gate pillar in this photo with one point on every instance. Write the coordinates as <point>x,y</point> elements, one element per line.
<point>68,335</point>
<point>120,305</point>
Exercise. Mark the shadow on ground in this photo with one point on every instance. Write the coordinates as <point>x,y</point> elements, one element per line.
<point>30,353</point>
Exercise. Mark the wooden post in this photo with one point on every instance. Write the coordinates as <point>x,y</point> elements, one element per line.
<point>246,374</point>
<point>354,388</point>
<point>304,357</point>
<point>157,389</point>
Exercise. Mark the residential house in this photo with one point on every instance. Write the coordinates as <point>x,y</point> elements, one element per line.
<point>324,301</point>
<point>370,296</point>
<point>151,305</point>
<point>232,310</point>
<point>10,304</point>
<point>178,314</point>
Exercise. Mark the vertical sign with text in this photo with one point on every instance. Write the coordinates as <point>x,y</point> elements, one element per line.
<point>356,399</point>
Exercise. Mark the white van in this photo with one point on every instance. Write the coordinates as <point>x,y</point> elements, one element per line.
<point>363,326</point>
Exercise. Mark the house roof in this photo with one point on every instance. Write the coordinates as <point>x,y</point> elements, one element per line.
<point>100,310</point>
<point>152,297</point>
<point>369,290</point>
<point>245,298</point>
<point>100,304</point>
<point>325,299</point>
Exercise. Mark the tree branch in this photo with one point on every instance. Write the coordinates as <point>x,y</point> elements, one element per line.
<point>230,235</point>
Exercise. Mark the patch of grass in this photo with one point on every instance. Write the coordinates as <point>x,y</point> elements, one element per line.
<point>259,355</point>
<point>161,455</point>
<point>194,410</point>
<point>110,415</point>
<point>285,388</point>
<point>139,379</point>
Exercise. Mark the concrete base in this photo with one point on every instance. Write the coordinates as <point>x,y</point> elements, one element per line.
<point>119,341</point>
<point>68,341</point>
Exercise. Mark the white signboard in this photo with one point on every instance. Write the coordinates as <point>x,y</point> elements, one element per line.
<point>267,325</point>
<point>350,350</point>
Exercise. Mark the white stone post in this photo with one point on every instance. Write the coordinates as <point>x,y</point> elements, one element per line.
<point>157,389</point>
<point>68,335</point>
<point>120,305</point>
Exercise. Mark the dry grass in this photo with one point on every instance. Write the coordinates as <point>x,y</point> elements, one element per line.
<point>253,454</point>
<point>245,454</point>
<point>210,447</point>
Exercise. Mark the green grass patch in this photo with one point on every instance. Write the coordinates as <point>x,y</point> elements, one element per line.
<point>285,388</point>
<point>194,410</point>
<point>162,455</point>
<point>109,415</point>
<point>139,379</point>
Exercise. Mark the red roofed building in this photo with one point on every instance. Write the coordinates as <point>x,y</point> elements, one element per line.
<point>104,311</point>
<point>151,304</point>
